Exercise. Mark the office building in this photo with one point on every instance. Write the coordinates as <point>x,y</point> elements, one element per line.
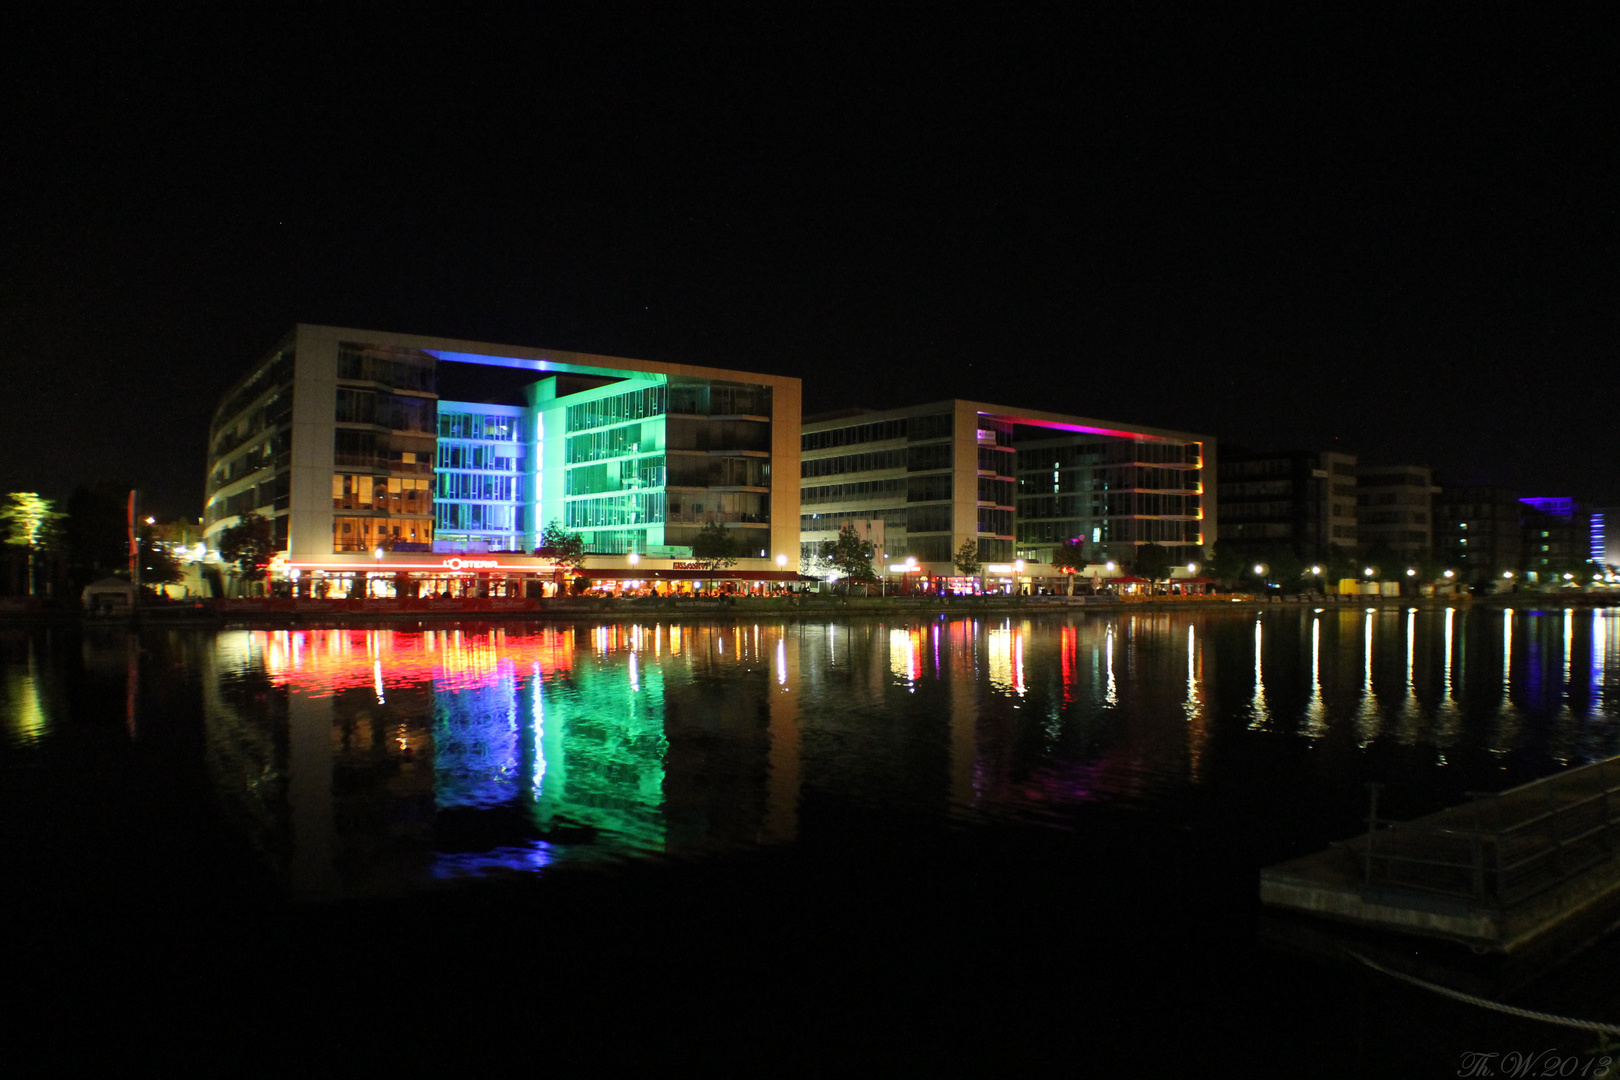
<point>1395,509</point>
<point>411,453</point>
<point>1303,501</point>
<point>1557,534</point>
<point>1478,532</point>
<point>1014,482</point>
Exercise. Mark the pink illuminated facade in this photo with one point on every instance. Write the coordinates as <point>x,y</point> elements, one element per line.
<point>1013,482</point>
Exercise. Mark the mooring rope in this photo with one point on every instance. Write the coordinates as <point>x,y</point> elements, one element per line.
<point>1487,1003</point>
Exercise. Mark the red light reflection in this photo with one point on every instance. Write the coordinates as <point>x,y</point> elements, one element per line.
<point>325,662</point>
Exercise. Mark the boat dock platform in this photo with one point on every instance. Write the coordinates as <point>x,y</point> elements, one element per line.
<point>1501,874</point>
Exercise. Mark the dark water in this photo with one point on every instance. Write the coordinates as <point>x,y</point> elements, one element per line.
<point>1008,840</point>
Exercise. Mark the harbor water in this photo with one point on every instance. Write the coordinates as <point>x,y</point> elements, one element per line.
<point>950,838</point>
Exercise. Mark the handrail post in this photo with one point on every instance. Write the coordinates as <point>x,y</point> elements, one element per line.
<point>1372,828</point>
<point>1608,821</point>
<point>1552,820</point>
<point>1479,849</point>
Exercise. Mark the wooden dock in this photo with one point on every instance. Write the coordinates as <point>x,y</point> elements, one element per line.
<point>1501,874</point>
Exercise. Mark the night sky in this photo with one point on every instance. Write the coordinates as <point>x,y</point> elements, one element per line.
<point>1286,226</point>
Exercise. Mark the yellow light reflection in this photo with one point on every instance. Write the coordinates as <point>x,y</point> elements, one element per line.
<point>1368,722</point>
<point>1316,709</point>
<point>1260,716</point>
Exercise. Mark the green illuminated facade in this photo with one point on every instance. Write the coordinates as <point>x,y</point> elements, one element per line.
<point>355,441</point>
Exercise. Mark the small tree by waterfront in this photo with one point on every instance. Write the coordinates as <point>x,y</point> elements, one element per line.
<point>714,547</point>
<point>249,544</point>
<point>966,559</point>
<point>563,545</point>
<point>1069,558</point>
<point>851,557</point>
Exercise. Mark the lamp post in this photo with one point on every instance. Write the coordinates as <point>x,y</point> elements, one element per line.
<point>375,578</point>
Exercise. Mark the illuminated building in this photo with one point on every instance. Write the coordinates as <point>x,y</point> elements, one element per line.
<point>430,452</point>
<point>1014,482</point>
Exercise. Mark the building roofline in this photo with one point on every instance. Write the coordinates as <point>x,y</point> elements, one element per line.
<point>538,359</point>
<point>1028,418</point>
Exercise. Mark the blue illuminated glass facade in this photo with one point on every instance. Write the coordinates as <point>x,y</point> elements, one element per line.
<point>478,490</point>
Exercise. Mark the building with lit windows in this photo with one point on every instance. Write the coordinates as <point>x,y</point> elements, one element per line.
<point>1303,501</point>
<point>1395,509</point>
<point>1014,482</point>
<point>410,454</point>
<point>1557,534</point>
<point>1478,531</point>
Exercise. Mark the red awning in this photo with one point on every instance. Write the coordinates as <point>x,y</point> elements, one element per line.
<point>1127,580</point>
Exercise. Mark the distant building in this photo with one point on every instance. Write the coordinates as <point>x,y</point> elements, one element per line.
<point>1478,532</point>
<point>1014,482</point>
<point>396,452</point>
<point>1606,535</point>
<point>1303,500</point>
<point>1557,537</point>
<point>1395,509</point>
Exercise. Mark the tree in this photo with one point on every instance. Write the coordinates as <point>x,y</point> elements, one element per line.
<point>249,544</point>
<point>564,545</point>
<point>966,559</point>
<point>1069,558</point>
<point>1151,561</point>
<point>1225,564</point>
<point>851,557</point>
<point>714,547</point>
<point>31,523</point>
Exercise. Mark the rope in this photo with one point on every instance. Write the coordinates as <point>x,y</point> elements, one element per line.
<point>1486,1003</point>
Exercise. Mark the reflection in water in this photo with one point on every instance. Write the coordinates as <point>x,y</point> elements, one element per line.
<point>1507,717</point>
<point>1111,696</point>
<point>26,715</point>
<point>1316,709</point>
<point>1368,722</point>
<point>1259,716</point>
<point>1197,724</point>
<point>366,760</point>
<point>1447,717</point>
<point>1409,726</point>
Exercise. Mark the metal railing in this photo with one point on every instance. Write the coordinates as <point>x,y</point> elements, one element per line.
<point>1504,848</point>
